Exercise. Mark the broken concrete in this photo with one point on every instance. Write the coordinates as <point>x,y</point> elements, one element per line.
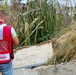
<point>33,56</point>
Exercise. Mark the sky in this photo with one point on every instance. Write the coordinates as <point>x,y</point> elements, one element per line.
<point>62,2</point>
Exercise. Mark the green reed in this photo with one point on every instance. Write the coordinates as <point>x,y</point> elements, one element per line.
<point>38,23</point>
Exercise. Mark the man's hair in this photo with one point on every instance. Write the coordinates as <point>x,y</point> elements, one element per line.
<point>2,14</point>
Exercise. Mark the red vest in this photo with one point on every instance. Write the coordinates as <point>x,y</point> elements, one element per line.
<point>5,43</point>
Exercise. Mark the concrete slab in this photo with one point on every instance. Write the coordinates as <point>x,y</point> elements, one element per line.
<point>33,55</point>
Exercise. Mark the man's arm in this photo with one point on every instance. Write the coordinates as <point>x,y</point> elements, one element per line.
<point>15,41</point>
<point>14,37</point>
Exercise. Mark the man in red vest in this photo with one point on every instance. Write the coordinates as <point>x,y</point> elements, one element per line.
<point>8,38</point>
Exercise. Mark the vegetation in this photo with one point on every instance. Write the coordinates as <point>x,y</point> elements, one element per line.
<point>38,21</point>
<point>65,46</point>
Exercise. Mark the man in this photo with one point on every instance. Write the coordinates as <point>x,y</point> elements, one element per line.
<point>8,38</point>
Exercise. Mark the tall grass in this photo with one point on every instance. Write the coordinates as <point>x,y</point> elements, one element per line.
<point>65,49</point>
<point>37,23</point>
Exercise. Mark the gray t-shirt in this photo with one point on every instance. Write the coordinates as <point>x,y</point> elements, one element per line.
<point>13,32</point>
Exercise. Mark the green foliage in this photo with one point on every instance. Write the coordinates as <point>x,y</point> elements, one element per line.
<point>38,23</point>
<point>46,13</point>
<point>74,17</point>
<point>41,20</point>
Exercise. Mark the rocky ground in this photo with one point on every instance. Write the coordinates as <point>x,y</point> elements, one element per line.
<point>68,68</point>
